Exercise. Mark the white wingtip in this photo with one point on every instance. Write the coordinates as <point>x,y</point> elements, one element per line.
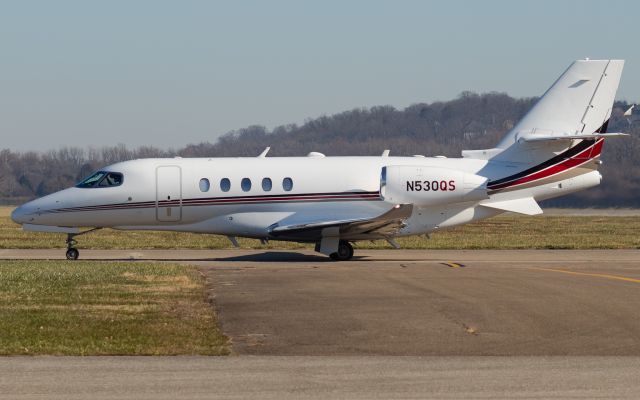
<point>264,152</point>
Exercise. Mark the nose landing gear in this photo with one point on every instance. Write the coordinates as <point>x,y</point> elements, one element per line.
<point>72,252</point>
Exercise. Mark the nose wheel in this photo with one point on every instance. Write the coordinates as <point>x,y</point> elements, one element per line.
<point>72,254</point>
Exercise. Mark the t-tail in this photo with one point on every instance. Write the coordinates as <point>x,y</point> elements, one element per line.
<point>561,137</point>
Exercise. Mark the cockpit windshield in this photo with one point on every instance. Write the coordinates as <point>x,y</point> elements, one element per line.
<point>101,179</point>
<point>112,179</point>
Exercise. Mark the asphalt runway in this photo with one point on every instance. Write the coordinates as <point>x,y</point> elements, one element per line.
<point>564,324</point>
<point>514,303</point>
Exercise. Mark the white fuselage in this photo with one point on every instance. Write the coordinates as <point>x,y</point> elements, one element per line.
<point>166,194</point>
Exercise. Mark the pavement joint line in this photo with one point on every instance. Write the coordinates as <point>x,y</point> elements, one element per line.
<point>605,276</point>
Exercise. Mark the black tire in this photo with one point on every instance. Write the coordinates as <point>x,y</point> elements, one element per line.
<point>73,254</point>
<point>344,253</point>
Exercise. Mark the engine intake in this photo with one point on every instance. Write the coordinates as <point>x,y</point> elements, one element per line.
<point>428,186</point>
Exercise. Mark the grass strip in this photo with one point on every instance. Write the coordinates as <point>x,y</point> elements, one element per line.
<point>105,308</point>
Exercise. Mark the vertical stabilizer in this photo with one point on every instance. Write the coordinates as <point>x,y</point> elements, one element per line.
<point>579,102</point>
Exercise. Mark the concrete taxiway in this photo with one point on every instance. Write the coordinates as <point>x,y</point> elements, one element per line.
<point>283,378</point>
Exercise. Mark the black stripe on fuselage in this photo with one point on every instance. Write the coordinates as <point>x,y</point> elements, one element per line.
<point>583,145</point>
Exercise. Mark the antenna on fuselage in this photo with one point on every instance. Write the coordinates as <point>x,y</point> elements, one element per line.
<point>264,152</point>
<point>385,153</point>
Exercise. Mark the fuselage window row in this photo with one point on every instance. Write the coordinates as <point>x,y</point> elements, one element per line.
<point>245,184</point>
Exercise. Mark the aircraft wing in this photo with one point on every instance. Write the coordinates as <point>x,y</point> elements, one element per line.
<point>378,227</point>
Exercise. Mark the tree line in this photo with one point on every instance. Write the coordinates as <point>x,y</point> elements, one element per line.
<point>471,121</point>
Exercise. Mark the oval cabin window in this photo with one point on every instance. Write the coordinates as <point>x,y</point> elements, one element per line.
<point>266,184</point>
<point>245,184</point>
<point>287,184</point>
<point>204,185</point>
<point>225,184</point>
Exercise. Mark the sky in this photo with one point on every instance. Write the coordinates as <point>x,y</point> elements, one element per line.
<point>168,73</point>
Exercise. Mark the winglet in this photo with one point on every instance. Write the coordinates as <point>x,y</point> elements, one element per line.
<point>264,152</point>
<point>527,206</point>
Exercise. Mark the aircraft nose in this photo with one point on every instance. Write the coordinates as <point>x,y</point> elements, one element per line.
<point>19,216</point>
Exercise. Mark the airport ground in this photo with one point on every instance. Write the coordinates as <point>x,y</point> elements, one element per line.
<point>445,324</point>
<point>508,322</point>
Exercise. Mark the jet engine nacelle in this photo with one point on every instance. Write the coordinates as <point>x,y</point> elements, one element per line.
<point>428,186</point>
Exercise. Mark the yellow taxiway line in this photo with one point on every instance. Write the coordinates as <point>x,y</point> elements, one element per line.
<point>605,276</point>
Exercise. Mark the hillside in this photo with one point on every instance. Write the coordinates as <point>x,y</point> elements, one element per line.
<point>471,121</point>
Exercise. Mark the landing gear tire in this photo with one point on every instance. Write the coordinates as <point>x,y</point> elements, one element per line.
<point>72,254</point>
<point>344,253</point>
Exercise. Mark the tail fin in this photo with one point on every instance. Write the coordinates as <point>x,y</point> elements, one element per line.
<point>579,103</point>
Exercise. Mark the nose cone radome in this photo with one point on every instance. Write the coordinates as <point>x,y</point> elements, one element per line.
<point>19,215</point>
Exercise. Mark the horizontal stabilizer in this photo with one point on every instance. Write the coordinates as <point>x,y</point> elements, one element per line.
<point>51,229</point>
<point>538,138</point>
<point>527,206</point>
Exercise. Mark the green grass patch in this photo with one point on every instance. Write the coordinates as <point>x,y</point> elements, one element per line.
<point>105,308</point>
<point>503,232</point>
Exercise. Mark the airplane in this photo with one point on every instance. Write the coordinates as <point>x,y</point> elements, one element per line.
<point>333,202</point>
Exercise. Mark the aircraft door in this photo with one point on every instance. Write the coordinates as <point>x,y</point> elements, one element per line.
<point>169,193</point>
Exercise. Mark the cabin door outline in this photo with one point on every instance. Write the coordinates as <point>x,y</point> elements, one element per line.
<point>168,193</point>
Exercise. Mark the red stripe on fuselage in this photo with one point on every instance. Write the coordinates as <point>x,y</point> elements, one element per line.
<point>586,155</point>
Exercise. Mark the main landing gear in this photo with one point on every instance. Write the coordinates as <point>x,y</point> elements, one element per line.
<point>72,252</point>
<point>344,253</point>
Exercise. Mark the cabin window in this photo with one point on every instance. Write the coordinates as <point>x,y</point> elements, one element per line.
<point>225,184</point>
<point>266,184</point>
<point>287,184</point>
<point>204,185</point>
<point>245,184</point>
